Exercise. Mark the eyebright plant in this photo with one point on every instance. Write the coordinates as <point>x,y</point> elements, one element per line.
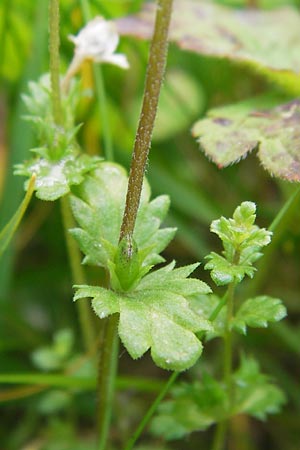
<point>154,307</point>
<point>58,163</point>
<point>158,309</point>
<point>198,405</point>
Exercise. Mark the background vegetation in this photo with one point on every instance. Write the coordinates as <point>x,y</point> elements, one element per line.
<point>35,284</point>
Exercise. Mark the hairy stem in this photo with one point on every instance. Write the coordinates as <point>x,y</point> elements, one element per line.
<point>155,71</point>
<point>84,311</point>
<point>54,61</point>
<point>78,277</point>
<point>154,77</point>
<point>101,94</point>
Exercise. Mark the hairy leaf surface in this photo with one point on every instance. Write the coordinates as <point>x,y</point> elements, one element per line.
<point>156,315</point>
<point>242,241</point>
<point>230,133</point>
<point>58,163</point>
<point>257,312</point>
<point>98,208</point>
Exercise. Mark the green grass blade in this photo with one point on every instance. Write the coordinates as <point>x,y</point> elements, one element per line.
<point>10,228</point>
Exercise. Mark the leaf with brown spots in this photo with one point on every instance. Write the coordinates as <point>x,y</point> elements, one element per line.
<point>268,41</point>
<point>229,133</point>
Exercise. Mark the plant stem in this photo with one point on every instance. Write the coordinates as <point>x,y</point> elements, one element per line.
<point>84,312</point>
<point>108,360</point>
<point>151,411</point>
<point>154,77</point>
<point>54,61</point>
<point>101,94</point>
<point>221,429</point>
<point>167,386</point>
<point>155,71</point>
<point>78,277</point>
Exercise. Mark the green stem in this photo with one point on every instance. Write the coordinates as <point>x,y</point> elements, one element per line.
<point>54,61</point>
<point>278,226</point>
<point>227,362</point>
<point>83,383</point>
<point>84,311</point>
<point>156,65</point>
<point>108,360</point>
<point>154,77</point>
<point>78,276</point>
<point>101,94</point>
<point>222,427</point>
<point>151,411</point>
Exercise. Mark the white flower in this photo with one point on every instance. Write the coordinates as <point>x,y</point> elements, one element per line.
<point>97,41</point>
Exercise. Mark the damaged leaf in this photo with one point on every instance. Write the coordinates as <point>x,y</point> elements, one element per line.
<point>229,134</point>
<point>266,40</point>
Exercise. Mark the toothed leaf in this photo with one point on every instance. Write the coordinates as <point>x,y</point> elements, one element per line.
<point>257,312</point>
<point>156,315</point>
<point>230,133</point>
<point>98,206</point>
<point>242,242</point>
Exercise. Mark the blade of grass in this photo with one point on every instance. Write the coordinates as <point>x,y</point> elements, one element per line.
<point>21,140</point>
<point>10,228</point>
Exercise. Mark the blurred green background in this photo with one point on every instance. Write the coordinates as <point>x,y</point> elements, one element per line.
<point>36,308</point>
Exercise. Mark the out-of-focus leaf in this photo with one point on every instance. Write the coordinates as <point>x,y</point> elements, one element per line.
<point>198,405</point>
<point>54,401</point>
<point>227,135</point>
<point>255,393</point>
<point>267,40</point>
<point>194,406</point>
<point>55,356</point>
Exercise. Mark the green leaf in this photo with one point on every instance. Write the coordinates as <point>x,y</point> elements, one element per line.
<point>196,406</point>
<point>193,407</point>
<point>257,312</point>
<point>98,209</point>
<point>206,306</point>
<point>55,178</point>
<point>57,164</point>
<point>10,228</point>
<point>230,133</point>
<point>242,241</point>
<point>53,402</point>
<point>54,357</point>
<point>268,41</point>
<point>255,394</point>
<point>156,315</point>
